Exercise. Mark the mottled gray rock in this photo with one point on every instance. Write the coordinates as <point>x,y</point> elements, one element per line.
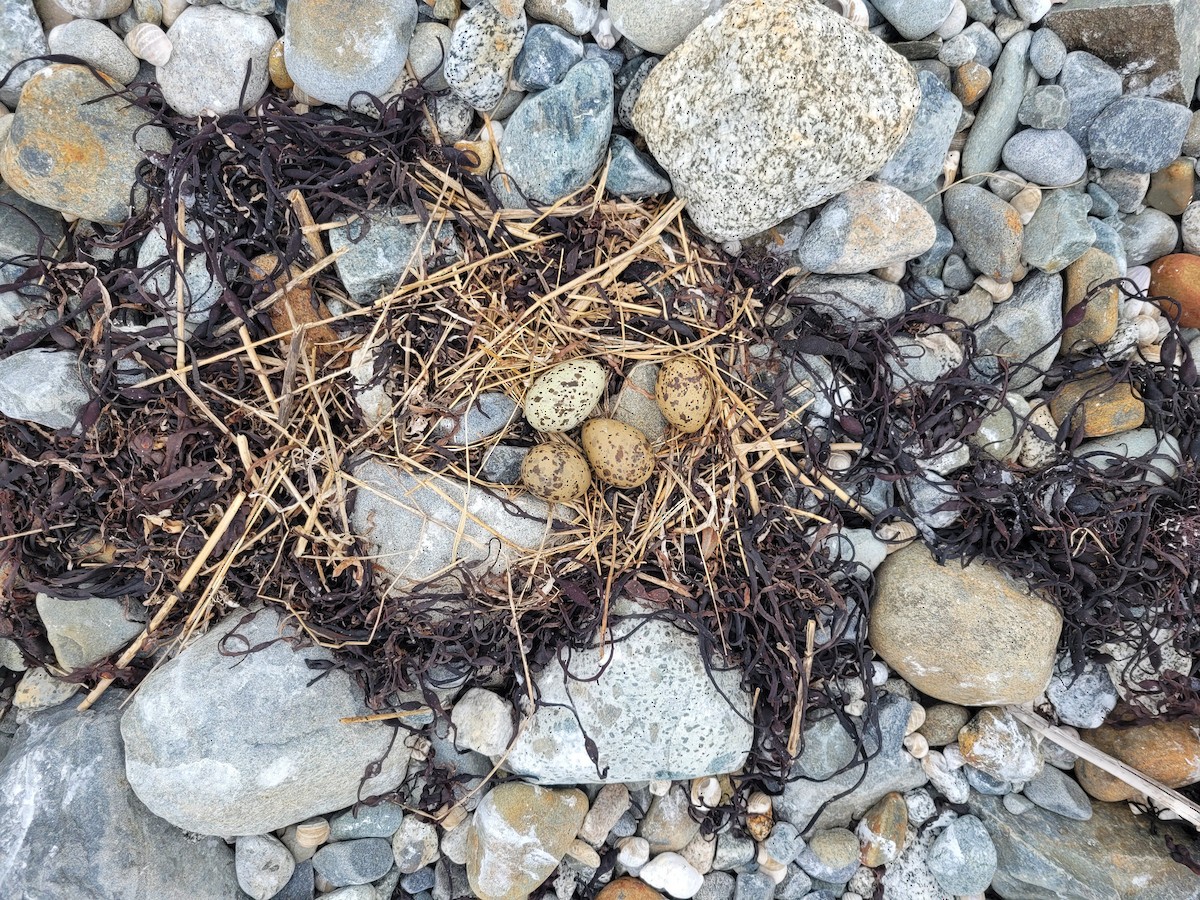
<point>1113,855</point>
<point>1045,107</point>
<point>95,43</point>
<point>1090,84</point>
<point>718,886</point>
<point>1158,458</point>
<point>301,886</point>
<point>1108,239</point>
<point>853,298</point>
<point>668,825</point>
<point>575,16</point>
<point>1141,134</point>
<point>984,783</point>
<point>963,858</point>
<point>201,290</point>
<point>632,173</point>
<point>415,844</point>
<point>191,758</point>
<point>919,159</point>
<point>636,402</point>
<point>335,48</point>
<point>212,46</point>
<point>754,886</point>
<point>659,26</point>
<point>427,54</point>
<point>555,141</point>
<point>264,866</point>
<point>1047,53</point>
<point>738,158</point>
<point>870,226</point>
<point>1059,233</point>
<point>369,821</point>
<point>1049,158</point>
<point>359,861</point>
<point>1085,699</point>
<point>546,56</point>
<point>487,414</point>
<point>997,117</point>
<point>420,526</point>
<point>914,19</point>
<point>74,829</point>
<point>1147,235</point>
<point>930,499</point>
<point>375,261</point>
<point>21,37</point>
<point>502,465</point>
<point>988,229</point>
<point>830,855</point>
<point>892,769</point>
<point>10,656</point>
<point>485,43</point>
<point>42,386</point>
<point>1057,792</point>
<point>85,631</point>
<point>909,877</point>
<point>26,229</point>
<point>653,712</point>
<point>1104,204</point>
<point>630,80</point>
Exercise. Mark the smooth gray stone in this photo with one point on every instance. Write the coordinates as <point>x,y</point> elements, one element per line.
<point>43,386</point>
<point>717,885</point>
<point>555,141</point>
<point>487,414</point>
<point>547,55</point>
<point>632,173</point>
<point>920,157</point>
<point>630,80</point>
<point>358,861</point>
<point>853,298</point>
<point>1159,458</point>
<point>1085,699</point>
<point>914,19</point>
<point>984,783</point>
<point>1045,107</point>
<point>301,886</point>
<point>986,228</point>
<point>1047,53</point>
<point>375,261</point>
<point>754,886</point>
<point>963,857</point>
<point>85,631</point>
<point>1127,188</point>
<point>26,229</point>
<point>21,37</point>
<point>1058,234</point>
<point>1057,792</point>
<point>212,48</point>
<point>1046,158</point>
<point>1109,240</point>
<point>95,43</point>
<point>371,821</point>
<point>201,290</point>
<point>264,865</point>
<point>1021,326</point>
<point>74,829</point>
<point>503,464</point>
<point>1138,133</point>
<point>997,116</point>
<point>1147,236</point>
<point>1090,84</point>
<point>925,496</point>
<point>988,46</point>
<point>1103,203</point>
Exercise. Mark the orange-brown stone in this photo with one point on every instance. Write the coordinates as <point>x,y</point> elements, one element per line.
<point>297,308</point>
<point>1166,751</point>
<point>629,889</point>
<point>72,151</point>
<point>1178,276</point>
<point>1098,405</point>
<point>1099,321</point>
<point>1171,187</point>
<point>882,830</point>
<point>971,81</point>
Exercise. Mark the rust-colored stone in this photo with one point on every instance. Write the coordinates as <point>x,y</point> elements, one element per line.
<point>74,155</point>
<point>1178,276</point>
<point>882,830</point>
<point>296,308</point>
<point>1166,751</point>
<point>1098,405</point>
<point>1099,321</point>
<point>971,81</point>
<point>629,889</point>
<point>1171,187</point>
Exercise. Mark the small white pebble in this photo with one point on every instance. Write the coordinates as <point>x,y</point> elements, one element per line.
<point>879,673</point>
<point>1147,330</point>
<point>855,707</point>
<point>953,756</point>
<point>916,745</point>
<point>659,787</point>
<point>673,874</point>
<point>604,32</point>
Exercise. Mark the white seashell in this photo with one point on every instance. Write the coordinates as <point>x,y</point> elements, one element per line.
<point>879,673</point>
<point>312,833</point>
<point>604,32</point>
<point>898,534</point>
<point>854,10</point>
<point>149,42</point>
<point>1151,353</point>
<point>1131,309</point>
<point>916,718</point>
<point>1026,203</point>
<point>1140,276</point>
<point>999,290</point>
<point>950,167</point>
<point>916,745</point>
<point>706,792</point>
<point>659,787</point>
<point>1147,330</point>
<point>172,10</point>
<point>758,804</point>
<point>633,853</point>
<point>839,461</point>
<point>773,868</point>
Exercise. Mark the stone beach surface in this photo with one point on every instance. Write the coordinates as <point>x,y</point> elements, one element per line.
<point>1026,167</point>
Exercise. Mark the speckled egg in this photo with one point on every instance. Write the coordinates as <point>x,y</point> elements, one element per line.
<point>562,398</point>
<point>619,453</point>
<point>556,472</point>
<point>684,393</point>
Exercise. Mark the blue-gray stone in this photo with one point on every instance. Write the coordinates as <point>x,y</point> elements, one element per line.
<point>1059,233</point>
<point>1091,84</point>
<point>997,117</point>
<point>1141,134</point>
<point>734,851</point>
<point>547,55</point>
<point>754,886</point>
<point>555,141</point>
<point>959,50</point>
<point>831,855</point>
<point>1046,158</point>
<point>43,386</point>
<point>1047,53</point>
<point>930,498</point>
<point>301,886</point>
<point>783,843</point>
<point>987,46</point>
<point>478,419</point>
<point>985,783</point>
<point>420,880</point>
<point>963,857</point>
<point>1045,107</point>
<point>956,274</point>
<point>796,884</point>
<point>26,229</point>
<point>1084,699</point>
<point>630,80</point>
<point>358,861</point>
<point>613,58</point>
<point>1024,330</point>
<point>1127,188</point>
<point>853,298</point>
<point>374,262</point>
<point>920,158</point>
<point>371,821</point>
<point>914,19</point>
<point>502,465</point>
<point>930,262</point>
<point>986,228</point>
<point>1147,236</point>
<point>632,173</point>
<point>1103,203</point>
<point>1055,791</point>
<point>981,11</point>
<point>717,886</point>
<point>1109,240</point>
<point>21,37</point>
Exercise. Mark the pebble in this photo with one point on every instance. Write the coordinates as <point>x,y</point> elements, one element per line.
<point>95,43</point>
<point>668,824</point>
<point>698,853</point>
<point>659,26</point>
<point>1059,233</point>
<point>1178,276</point>
<point>427,54</point>
<point>733,851</point>
<point>671,873</point>
<point>43,386</point>
<point>1050,158</point>
<point>418,881</point>
<point>870,226</point>
<point>1000,746</point>
<point>628,889</point>
<point>1171,187</point>
<point>1046,107</point>
<point>1190,228</point>
<point>335,48</point>
<point>950,782</point>
<point>483,47</point>
<point>483,722</point>
<point>264,866</point>
<point>921,361</point>
<point>830,855</point>
<point>301,886</point>
<point>380,821</point>
<point>378,255</point>
<point>1099,321</point>
<point>1090,85</point>
<point>573,16</point>
<point>21,37</point>
<point>85,631</point>
<point>1142,134</point>
<point>918,160</point>
<point>942,723</point>
<point>754,886</point>
<point>1017,804</point>
<point>783,844</point>
<point>914,20</point>
<point>632,173</point>
<point>477,420</point>
<point>988,229</point>
<point>749,173</point>
<point>415,844</point>
<point>1057,792</point>
<point>610,804</point>
<point>971,82</point>
<point>963,857</point>
<point>1104,204</point>
<point>719,886</point>
<point>206,71</point>
<point>997,116</point>
<point>1098,406</point>
<point>984,783</point>
<point>1047,53</point>
<point>1164,751</point>
<point>556,140</point>
<point>882,831</point>
<point>547,55</point>
<point>1147,236</point>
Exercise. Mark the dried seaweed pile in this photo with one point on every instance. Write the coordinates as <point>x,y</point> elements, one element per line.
<point>256,411</point>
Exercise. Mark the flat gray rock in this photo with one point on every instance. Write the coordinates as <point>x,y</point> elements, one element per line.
<point>853,298</point>
<point>988,229</point>
<point>375,261</point>
<point>745,160</point>
<point>997,117</point>
<point>244,744</point>
<point>1140,134</point>
<point>43,386</point>
<point>85,631</point>
<point>920,158</point>
<point>74,829</point>
<point>1147,236</point>
<point>659,26</point>
<point>21,37</point>
<point>1090,85</point>
<point>1059,233</point>
<point>211,48</point>
<point>25,230</point>
<point>963,858</point>
<point>631,173</point>
<point>653,712</point>
<point>1057,792</point>
<point>420,526</point>
<point>870,226</point>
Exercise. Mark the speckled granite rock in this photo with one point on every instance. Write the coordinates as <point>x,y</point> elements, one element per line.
<point>74,158</point>
<point>659,26</point>
<point>21,37</point>
<point>483,47</point>
<point>575,16</point>
<point>336,47</point>
<point>776,150</point>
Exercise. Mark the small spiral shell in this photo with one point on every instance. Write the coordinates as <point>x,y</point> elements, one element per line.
<point>481,149</point>
<point>149,42</point>
<point>277,68</point>
<point>898,534</point>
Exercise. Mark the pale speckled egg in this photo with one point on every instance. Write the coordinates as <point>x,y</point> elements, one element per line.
<point>562,398</point>
<point>684,393</point>
<point>556,472</point>
<point>619,453</point>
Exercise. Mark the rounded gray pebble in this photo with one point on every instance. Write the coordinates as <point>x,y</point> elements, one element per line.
<point>354,862</point>
<point>1045,107</point>
<point>1046,158</point>
<point>546,56</point>
<point>211,48</point>
<point>1047,53</point>
<point>1055,791</point>
<point>1142,134</point>
<point>97,44</point>
<point>963,857</point>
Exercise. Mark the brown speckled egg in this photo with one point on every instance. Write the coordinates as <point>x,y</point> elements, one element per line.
<point>619,453</point>
<point>556,472</point>
<point>562,398</point>
<point>684,393</point>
